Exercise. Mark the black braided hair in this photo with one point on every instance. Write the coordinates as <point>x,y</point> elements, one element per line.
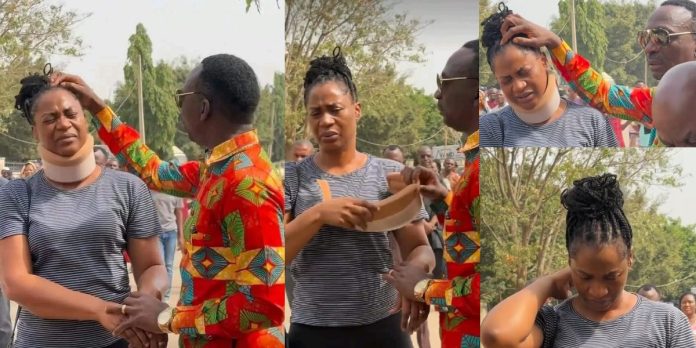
<point>329,68</point>
<point>595,213</point>
<point>491,35</point>
<point>33,86</point>
<point>686,4</point>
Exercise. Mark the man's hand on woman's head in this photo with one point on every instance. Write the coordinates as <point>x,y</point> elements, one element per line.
<point>84,93</point>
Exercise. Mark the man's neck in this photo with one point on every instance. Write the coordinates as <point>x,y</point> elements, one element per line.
<point>221,135</point>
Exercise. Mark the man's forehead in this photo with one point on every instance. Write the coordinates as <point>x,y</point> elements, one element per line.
<point>671,17</point>
<point>460,64</point>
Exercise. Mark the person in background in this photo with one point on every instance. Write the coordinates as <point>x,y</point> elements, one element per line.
<point>687,304</point>
<point>28,170</point>
<point>6,173</point>
<point>302,149</point>
<point>394,153</point>
<point>169,212</point>
<point>100,156</point>
<point>112,163</point>
<point>650,292</point>
<point>449,174</point>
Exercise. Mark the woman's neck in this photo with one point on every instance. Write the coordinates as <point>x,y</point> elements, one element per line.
<point>340,162</point>
<point>623,305</point>
<point>556,114</point>
<point>78,184</point>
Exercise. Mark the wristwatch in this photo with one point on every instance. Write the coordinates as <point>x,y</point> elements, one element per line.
<point>420,288</point>
<point>164,320</point>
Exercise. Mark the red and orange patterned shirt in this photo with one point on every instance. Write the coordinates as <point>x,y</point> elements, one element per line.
<point>632,104</point>
<point>232,271</point>
<point>459,296</point>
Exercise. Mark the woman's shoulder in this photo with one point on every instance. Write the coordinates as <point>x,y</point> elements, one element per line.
<point>121,179</point>
<point>582,110</point>
<point>660,309</point>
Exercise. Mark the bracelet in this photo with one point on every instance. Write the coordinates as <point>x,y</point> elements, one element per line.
<point>420,288</point>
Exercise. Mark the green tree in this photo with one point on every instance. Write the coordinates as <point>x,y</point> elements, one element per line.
<point>523,220</point>
<point>371,34</point>
<point>590,24</point>
<point>159,84</point>
<point>269,117</point>
<point>30,31</point>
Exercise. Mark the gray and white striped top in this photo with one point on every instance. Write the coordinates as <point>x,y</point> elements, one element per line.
<point>338,273</point>
<point>75,239</point>
<point>648,325</point>
<point>579,126</point>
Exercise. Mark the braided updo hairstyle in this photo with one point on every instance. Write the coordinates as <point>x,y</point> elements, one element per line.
<point>32,87</point>
<point>491,35</point>
<point>329,68</point>
<point>595,214</point>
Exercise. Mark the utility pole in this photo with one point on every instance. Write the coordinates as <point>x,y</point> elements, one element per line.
<point>270,145</point>
<point>572,26</point>
<point>141,110</point>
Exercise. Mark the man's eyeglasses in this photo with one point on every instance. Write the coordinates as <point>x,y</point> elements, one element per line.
<point>659,36</point>
<point>178,96</point>
<point>440,80</point>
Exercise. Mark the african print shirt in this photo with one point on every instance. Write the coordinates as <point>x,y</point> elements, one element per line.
<point>232,270</point>
<point>628,103</point>
<point>459,296</point>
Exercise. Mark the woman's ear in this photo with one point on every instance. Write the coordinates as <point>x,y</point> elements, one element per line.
<point>35,133</point>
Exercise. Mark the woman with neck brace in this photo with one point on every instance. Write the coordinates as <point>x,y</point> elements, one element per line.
<point>536,115</point>
<point>64,228</point>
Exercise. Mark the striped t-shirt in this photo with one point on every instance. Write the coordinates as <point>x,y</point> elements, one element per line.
<point>76,239</point>
<point>338,273</point>
<point>648,325</point>
<point>579,126</point>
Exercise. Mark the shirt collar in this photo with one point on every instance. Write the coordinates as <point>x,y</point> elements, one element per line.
<point>235,145</point>
<point>470,143</point>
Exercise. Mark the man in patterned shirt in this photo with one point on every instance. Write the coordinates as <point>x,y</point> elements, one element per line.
<point>669,40</point>
<point>458,297</point>
<point>232,270</point>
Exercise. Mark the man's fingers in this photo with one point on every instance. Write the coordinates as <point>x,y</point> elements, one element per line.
<point>512,31</point>
<point>414,318</point>
<point>123,326</point>
<point>405,313</point>
<point>524,41</point>
<point>140,335</point>
<point>389,277</point>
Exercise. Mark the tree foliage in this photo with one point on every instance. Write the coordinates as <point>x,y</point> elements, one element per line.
<point>523,229</point>
<point>374,37</point>
<point>159,85</point>
<point>30,31</point>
